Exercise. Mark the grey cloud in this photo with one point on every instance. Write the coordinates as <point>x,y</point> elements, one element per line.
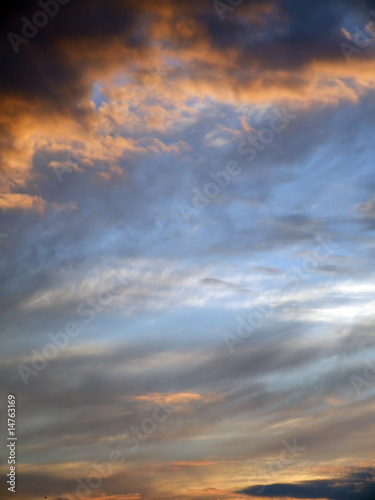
<point>225,284</point>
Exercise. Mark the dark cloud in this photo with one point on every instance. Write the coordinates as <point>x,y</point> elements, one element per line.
<point>359,485</point>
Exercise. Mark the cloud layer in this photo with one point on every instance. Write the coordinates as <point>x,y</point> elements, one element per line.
<point>186,231</point>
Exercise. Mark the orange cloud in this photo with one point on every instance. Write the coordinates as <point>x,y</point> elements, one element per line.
<point>180,398</point>
<point>190,57</point>
<point>169,398</point>
<point>14,201</point>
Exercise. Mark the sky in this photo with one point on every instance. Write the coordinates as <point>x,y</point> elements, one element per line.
<point>187,217</point>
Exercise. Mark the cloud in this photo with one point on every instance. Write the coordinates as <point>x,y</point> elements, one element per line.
<point>268,271</point>
<point>14,201</point>
<point>264,51</point>
<point>360,485</point>
<point>224,284</point>
<point>137,103</point>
